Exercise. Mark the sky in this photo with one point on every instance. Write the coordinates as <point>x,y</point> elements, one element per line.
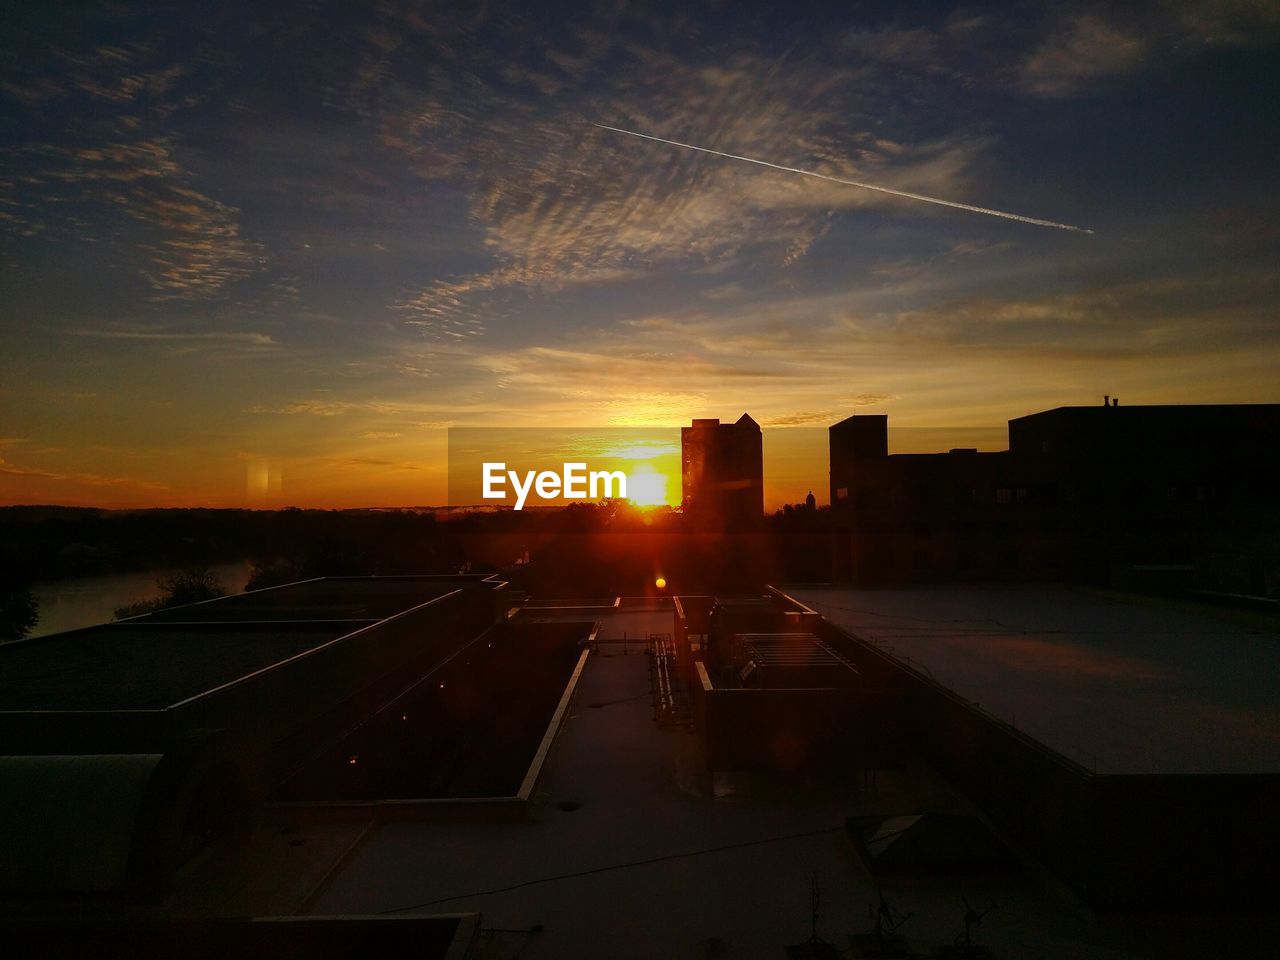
<point>268,254</point>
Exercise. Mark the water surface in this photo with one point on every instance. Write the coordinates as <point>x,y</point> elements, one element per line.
<point>85,601</point>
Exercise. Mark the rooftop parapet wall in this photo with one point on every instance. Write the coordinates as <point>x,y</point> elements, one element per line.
<point>787,729</point>
<point>1121,841</point>
<point>287,695</point>
<point>332,663</point>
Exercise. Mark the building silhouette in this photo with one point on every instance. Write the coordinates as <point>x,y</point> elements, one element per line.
<point>723,470</point>
<point>1170,493</point>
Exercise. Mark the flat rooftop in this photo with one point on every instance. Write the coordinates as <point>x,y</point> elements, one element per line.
<point>331,598</point>
<point>156,661</point>
<point>629,852</point>
<point>619,618</point>
<point>138,666</point>
<point>1121,686</point>
<point>470,728</point>
<point>607,866</point>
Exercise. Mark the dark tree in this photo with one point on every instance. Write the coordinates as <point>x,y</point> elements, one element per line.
<point>191,585</point>
<point>18,612</point>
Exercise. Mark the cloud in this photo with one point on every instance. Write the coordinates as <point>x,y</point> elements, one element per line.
<point>1086,50</point>
<point>316,408</point>
<point>1228,22</point>
<point>88,479</point>
<point>801,419</point>
<point>35,92</point>
<point>446,309</point>
<point>237,345</point>
<point>867,399</point>
<point>566,206</point>
<point>193,245</point>
<point>1168,316</point>
<point>895,45</point>
<point>596,369</point>
<point>415,370</point>
<point>410,410</point>
<point>171,336</point>
<point>201,252</point>
<point>108,159</point>
<point>122,73</point>
<point>374,462</point>
<point>646,408</point>
<point>836,356</point>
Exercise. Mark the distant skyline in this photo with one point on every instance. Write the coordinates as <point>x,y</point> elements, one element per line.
<point>267,255</point>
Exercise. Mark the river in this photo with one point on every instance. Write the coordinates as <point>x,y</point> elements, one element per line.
<point>84,601</point>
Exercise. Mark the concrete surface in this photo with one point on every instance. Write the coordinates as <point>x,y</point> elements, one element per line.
<point>630,854</point>
<point>1118,685</point>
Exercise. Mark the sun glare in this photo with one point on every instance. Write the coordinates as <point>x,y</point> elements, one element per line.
<point>646,487</point>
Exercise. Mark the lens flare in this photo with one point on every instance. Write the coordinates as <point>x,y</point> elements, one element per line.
<point>646,487</point>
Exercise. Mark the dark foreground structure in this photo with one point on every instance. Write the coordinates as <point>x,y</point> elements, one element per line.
<point>370,765</point>
<point>1132,749</point>
<point>135,743</point>
<point>441,937</point>
<point>1175,495</point>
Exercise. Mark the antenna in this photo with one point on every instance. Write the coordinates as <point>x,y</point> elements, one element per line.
<point>883,939</point>
<point>815,947</point>
<point>885,923</point>
<point>815,904</point>
<point>964,941</point>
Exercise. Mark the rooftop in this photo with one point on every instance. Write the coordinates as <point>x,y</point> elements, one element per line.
<point>136,666</point>
<point>1176,412</point>
<point>620,618</point>
<point>1120,686</point>
<point>623,858</point>
<point>330,598</point>
<point>156,661</point>
<point>787,649</point>
<point>628,854</point>
<point>630,850</point>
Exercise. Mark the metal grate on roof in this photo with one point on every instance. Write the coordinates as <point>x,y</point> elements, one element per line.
<point>790,650</point>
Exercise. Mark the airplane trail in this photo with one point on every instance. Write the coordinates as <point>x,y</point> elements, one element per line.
<point>855,183</point>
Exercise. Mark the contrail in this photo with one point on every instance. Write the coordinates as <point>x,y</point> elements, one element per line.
<point>855,183</point>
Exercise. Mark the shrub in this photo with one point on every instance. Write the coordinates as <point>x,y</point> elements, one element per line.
<point>191,585</point>
<point>19,612</point>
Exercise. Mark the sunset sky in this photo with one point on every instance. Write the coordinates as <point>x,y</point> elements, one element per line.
<point>266,254</point>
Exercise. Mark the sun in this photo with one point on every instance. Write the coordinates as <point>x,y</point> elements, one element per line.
<point>646,487</point>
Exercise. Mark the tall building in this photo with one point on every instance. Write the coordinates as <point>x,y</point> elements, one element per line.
<point>1081,493</point>
<point>723,470</point>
